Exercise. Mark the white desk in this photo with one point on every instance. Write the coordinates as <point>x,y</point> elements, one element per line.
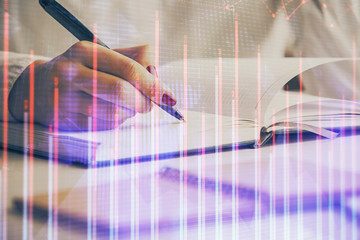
<point>344,152</point>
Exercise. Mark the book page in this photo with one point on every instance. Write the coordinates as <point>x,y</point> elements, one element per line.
<point>316,109</point>
<point>159,135</point>
<point>212,84</point>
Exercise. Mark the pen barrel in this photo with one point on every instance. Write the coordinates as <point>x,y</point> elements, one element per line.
<point>172,111</point>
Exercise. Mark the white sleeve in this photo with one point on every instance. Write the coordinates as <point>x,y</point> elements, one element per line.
<point>17,63</point>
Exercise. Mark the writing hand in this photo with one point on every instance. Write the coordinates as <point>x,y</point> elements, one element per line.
<point>122,82</point>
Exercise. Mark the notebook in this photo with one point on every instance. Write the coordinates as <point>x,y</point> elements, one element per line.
<point>220,113</point>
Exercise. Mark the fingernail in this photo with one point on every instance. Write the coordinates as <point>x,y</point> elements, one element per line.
<point>152,69</point>
<point>166,99</point>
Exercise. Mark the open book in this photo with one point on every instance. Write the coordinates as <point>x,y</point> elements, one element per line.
<point>226,103</point>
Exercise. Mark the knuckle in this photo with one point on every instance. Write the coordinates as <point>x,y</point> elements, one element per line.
<point>83,45</point>
<point>117,88</point>
<point>80,48</point>
<point>66,70</point>
<point>38,62</point>
<point>130,68</point>
<point>60,67</point>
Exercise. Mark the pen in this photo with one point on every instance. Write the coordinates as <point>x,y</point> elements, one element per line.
<point>73,25</point>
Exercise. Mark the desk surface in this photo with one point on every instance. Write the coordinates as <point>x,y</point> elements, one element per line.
<point>339,154</point>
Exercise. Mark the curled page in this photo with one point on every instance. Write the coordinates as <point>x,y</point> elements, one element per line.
<point>212,84</point>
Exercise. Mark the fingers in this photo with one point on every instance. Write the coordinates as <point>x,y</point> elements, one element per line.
<point>123,78</point>
<point>104,110</point>
<point>76,117</point>
<point>138,53</point>
<point>121,66</point>
<point>111,89</point>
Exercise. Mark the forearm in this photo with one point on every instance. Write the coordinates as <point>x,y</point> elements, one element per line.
<point>14,64</point>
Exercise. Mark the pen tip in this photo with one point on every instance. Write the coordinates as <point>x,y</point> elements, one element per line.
<point>181,118</point>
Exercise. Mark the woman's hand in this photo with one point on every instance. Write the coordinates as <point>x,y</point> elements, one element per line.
<point>121,79</point>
